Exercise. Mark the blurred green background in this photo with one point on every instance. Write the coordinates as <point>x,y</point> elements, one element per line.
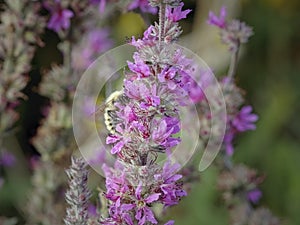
<point>269,71</point>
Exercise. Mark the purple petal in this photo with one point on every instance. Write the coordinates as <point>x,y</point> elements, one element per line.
<point>149,215</point>
<point>112,139</point>
<point>152,198</point>
<point>127,207</point>
<point>138,191</point>
<point>117,148</point>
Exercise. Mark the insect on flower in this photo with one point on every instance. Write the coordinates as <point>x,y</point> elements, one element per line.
<point>108,110</point>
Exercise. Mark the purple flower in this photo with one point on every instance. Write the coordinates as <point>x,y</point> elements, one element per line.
<point>143,5</point>
<point>102,4</point>
<point>119,140</point>
<point>176,14</point>
<point>244,120</point>
<point>116,183</point>
<point>98,157</point>
<point>92,210</point>
<point>168,76</point>
<point>147,121</point>
<point>97,42</point>
<point>143,213</point>
<point>60,17</point>
<point>162,129</point>
<point>218,21</point>
<point>196,92</point>
<point>254,195</point>
<point>171,190</point>
<point>241,122</point>
<point>139,91</point>
<point>139,67</point>
<point>171,222</point>
<point>7,159</point>
<point>228,142</point>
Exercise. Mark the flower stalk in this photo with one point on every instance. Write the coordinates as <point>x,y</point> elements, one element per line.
<point>78,194</point>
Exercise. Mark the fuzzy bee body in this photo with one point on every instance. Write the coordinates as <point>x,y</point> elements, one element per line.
<point>110,115</point>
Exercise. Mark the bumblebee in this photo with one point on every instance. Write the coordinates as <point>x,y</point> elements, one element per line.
<point>110,115</point>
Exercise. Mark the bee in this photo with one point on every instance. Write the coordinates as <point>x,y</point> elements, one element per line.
<point>109,110</point>
<point>110,116</point>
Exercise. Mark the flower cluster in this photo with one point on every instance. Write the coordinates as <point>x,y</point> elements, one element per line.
<point>142,5</point>
<point>128,203</point>
<point>78,194</point>
<point>239,116</point>
<point>20,29</point>
<point>60,15</point>
<point>241,194</point>
<point>233,33</point>
<point>147,120</point>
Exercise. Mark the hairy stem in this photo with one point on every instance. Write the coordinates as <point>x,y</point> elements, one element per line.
<point>162,15</point>
<point>233,63</point>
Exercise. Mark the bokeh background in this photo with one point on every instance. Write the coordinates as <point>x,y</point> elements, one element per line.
<point>269,72</point>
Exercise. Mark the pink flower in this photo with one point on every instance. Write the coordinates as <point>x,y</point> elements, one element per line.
<point>7,159</point>
<point>97,42</point>
<point>118,139</point>
<point>245,120</point>
<point>143,213</point>
<point>168,76</point>
<point>254,195</point>
<point>171,222</point>
<point>143,5</point>
<point>60,17</point>
<point>162,131</point>
<point>220,21</point>
<point>176,14</point>
<point>171,190</point>
<point>139,67</point>
<point>102,4</point>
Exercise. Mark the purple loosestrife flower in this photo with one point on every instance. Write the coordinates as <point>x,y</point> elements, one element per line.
<point>172,191</point>
<point>60,17</point>
<point>171,222</point>
<point>233,33</point>
<point>92,210</point>
<point>139,91</point>
<point>97,42</point>
<point>120,139</point>
<point>162,131</point>
<point>140,204</point>
<point>139,67</point>
<point>130,203</point>
<point>78,194</point>
<point>254,195</point>
<point>7,159</point>
<point>196,93</point>
<point>176,14</point>
<point>102,4</point>
<point>143,5</point>
<point>245,120</point>
<point>228,139</point>
<point>147,120</point>
<point>242,121</point>
<point>218,21</point>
